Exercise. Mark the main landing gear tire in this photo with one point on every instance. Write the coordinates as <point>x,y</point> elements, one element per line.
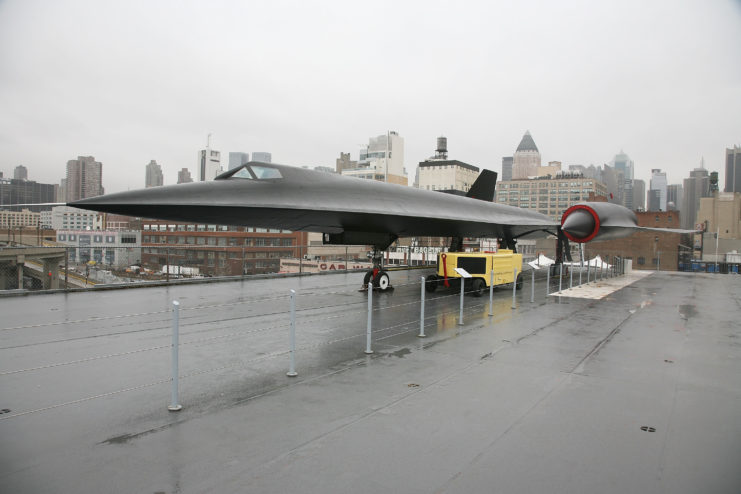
<point>477,287</point>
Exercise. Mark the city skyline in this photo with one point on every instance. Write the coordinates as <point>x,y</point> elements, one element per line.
<point>666,95</point>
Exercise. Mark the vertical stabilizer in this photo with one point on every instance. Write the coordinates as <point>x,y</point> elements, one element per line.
<point>483,187</point>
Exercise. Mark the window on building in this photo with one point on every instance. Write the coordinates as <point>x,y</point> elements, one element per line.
<point>128,239</point>
<point>61,237</point>
<point>641,261</point>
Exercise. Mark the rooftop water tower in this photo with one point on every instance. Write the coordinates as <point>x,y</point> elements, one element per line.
<point>441,152</point>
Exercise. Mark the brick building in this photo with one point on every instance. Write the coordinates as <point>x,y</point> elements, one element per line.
<point>216,249</point>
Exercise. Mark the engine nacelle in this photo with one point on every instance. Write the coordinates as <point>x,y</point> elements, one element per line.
<point>597,220</point>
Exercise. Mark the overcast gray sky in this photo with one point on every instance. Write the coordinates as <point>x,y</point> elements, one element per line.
<point>131,81</point>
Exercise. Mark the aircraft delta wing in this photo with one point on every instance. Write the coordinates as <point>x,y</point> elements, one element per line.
<point>347,210</point>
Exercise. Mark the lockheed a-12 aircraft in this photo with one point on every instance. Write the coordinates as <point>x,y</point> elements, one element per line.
<point>352,211</point>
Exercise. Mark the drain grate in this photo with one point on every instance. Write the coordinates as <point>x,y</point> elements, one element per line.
<point>646,428</point>
<point>4,410</point>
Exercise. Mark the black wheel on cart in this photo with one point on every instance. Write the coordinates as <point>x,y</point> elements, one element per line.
<point>431,283</point>
<point>477,287</point>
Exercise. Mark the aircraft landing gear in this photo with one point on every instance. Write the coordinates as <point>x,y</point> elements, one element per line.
<point>377,276</point>
<point>380,280</point>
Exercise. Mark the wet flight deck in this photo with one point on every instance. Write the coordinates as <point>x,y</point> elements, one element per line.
<point>634,389</point>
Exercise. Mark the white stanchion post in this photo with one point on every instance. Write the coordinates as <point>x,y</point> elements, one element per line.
<point>588,269</point>
<point>571,276</point>
<point>370,319</point>
<point>548,280</point>
<point>175,404</point>
<point>460,317</point>
<point>292,339</point>
<point>491,293</point>
<point>422,310</point>
<point>532,287</point>
<point>514,290</point>
<point>560,277</point>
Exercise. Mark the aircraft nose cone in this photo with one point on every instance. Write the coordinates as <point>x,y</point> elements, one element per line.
<point>579,224</point>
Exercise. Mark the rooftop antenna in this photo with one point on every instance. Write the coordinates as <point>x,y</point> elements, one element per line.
<point>208,140</point>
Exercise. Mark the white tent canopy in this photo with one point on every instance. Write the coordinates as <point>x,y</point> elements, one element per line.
<point>541,262</point>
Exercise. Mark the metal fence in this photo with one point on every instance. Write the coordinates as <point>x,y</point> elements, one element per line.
<point>157,350</point>
<point>68,268</point>
<point>63,267</point>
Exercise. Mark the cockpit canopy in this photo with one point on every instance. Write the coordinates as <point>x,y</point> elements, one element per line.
<point>251,172</point>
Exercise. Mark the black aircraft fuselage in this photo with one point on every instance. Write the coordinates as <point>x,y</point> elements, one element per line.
<point>349,210</point>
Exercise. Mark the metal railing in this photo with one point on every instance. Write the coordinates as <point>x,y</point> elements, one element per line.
<point>346,317</point>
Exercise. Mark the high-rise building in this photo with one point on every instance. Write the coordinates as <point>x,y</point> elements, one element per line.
<point>639,195</point>
<point>721,214</point>
<point>674,196</point>
<point>184,176</point>
<point>17,191</point>
<point>733,169</point>
<point>209,164</point>
<point>658,183</point>
<point>20,173</point>
<point>262,157</point>
<point>622,163</point>
<point>84,178</point>
<point>382,160</point>
<point>62,191</point>
<point>550,196</point>
<point>526,160</point>
<point>154,175</point>
<point>507,168</point>
<point>237,159</point>
<point>696,187</point>
<point>614,180</point>
<point>653,200</point>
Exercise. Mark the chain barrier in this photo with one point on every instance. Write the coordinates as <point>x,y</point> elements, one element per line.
<point>380,334</point>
